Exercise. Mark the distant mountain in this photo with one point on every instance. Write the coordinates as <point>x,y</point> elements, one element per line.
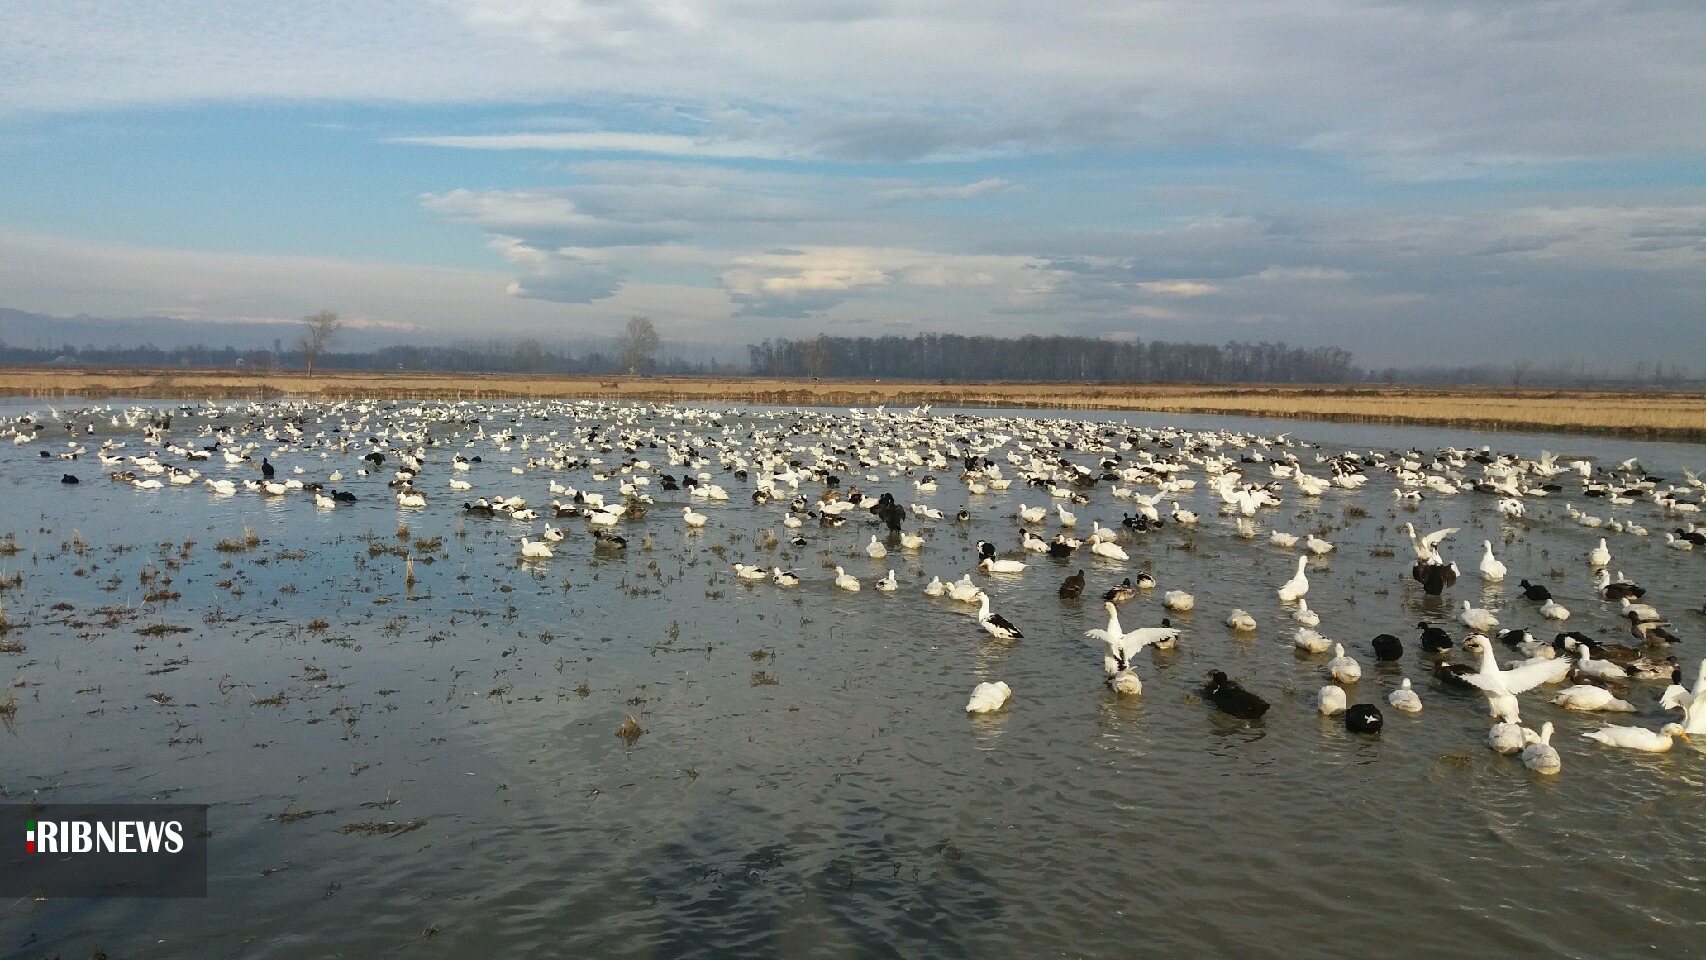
<point>21,328</point>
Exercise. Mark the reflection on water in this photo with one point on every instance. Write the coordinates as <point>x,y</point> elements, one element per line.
<point>807,782</point>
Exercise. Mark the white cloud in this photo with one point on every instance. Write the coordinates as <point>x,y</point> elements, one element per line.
<point>1416,89</point>
<point>964,191</point>
<point>1178,288</point>
<point>809,281</point>
<point>607,142</point>
<point>1280,274</point>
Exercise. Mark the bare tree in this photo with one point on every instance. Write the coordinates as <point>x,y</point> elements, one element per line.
<point>816,356</point>
<point>323,330</point>
<point>638,342</point>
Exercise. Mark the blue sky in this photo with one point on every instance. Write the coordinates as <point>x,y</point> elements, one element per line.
<point>1421,182</point>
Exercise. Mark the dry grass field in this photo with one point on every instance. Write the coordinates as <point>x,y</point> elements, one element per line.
<point>1633,414</point>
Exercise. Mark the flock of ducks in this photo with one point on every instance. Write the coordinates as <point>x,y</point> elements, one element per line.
<point>803,469</point>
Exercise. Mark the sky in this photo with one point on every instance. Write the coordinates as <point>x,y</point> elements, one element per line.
<point>1423,182</point>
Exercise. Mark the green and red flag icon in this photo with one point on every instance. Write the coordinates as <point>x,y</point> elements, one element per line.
<point>30,837</point>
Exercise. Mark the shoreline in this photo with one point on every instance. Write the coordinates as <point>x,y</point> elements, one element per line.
<point>1643,415</point>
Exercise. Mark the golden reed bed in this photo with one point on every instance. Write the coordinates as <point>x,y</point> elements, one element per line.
<point>1633,414</point>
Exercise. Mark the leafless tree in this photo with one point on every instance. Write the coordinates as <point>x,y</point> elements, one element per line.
<point>323,330</point>
<point>815,356</point>
<point>638,342</point>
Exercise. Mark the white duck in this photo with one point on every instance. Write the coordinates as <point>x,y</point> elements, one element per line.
<point>1330,699</point>
<point>964,590</point>
<point>1306,616</point>
<point>1307,639</point>
<point>1294,589</point>
<point>1540,756</point>
<point>1507,737</point>
<point>1638,738</point>
<point>1108,549</point>
<point>535,549</point>
<point>1600,556</point>
<point>1119,646</point>
<point>1404,698</point>
<point>888,584</point>
<point>1343,669</point>
<point>1178,600</point>
<point>1492,569</point>
<point>1478,619</point>
<point>995,624</point>
<point>1589,697</point>
<point>989,697</point>
<point>1241,621</point>
<point>1691,703</point>
<point>875,550</point>
<point>1502,686</point>
<point>1553,610</point>
<point>845,581</point>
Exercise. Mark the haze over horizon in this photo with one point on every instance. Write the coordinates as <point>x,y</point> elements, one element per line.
<point>1418,182</point>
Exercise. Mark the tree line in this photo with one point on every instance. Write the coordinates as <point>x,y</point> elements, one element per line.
<point>948,356</point>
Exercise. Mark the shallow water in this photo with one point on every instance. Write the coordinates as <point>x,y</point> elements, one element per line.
<point>808,783</point>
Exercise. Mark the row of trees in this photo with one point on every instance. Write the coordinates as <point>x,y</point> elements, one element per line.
<point>921,357</point>
<point>947,356</point>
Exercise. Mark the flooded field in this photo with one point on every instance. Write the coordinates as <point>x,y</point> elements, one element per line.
<point>408,733</point>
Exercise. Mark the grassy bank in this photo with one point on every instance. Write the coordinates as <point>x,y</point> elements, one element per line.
<point>1645,415</point>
